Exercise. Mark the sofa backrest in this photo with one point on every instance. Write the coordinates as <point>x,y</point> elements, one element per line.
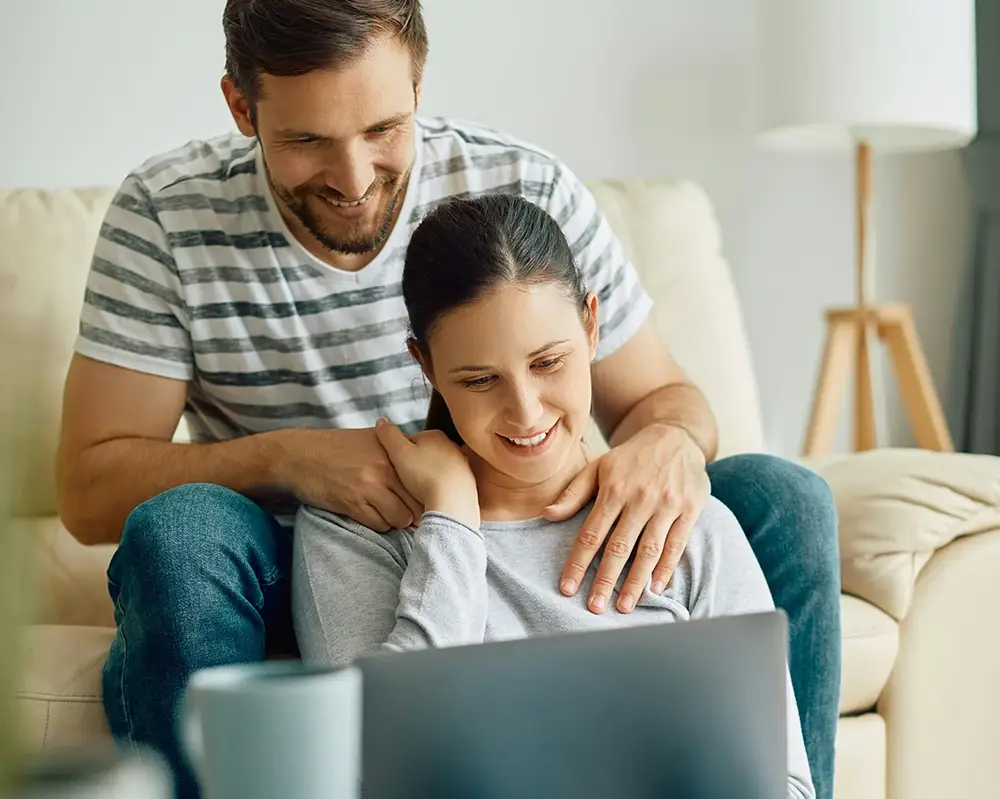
<point>669,229</point>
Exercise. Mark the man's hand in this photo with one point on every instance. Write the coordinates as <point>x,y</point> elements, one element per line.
<point>347,472</point>
<point>651,490</point>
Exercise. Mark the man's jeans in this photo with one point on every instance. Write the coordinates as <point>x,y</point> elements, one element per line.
<point>202,573</point>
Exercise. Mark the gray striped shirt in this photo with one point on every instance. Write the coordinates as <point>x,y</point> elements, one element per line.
<point>196,277</point>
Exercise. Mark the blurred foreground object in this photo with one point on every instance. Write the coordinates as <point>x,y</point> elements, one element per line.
<point>102,773</point>
<point>14,566</point>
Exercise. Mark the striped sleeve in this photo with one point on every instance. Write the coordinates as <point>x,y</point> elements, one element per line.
<point>623,303</point>
<point>133,312</point>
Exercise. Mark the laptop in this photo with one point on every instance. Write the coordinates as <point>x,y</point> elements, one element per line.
<point>692,710</point>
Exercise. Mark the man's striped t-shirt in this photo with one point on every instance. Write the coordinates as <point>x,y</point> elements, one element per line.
<point>196,277</point>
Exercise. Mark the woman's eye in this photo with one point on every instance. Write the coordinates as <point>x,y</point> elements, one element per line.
<point>479,382</point>
<point>548,363</point>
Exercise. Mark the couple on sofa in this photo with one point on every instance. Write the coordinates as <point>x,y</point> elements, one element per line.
<point>262,284</point>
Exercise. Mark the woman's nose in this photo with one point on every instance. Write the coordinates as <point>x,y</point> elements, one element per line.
<point>524,409</point>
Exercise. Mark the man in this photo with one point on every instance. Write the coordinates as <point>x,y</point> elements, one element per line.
<point>251,283</point>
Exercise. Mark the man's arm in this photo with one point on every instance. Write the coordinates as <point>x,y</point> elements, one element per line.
<point>636,382</point>
<point>641,384</point>
<point>652,484</point>
<point>115,452</point>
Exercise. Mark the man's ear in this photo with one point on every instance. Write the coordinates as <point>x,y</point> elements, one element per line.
<point>591,325</point>
<point>239,107</point>
<point>418,89</point>
<point>425,364</point>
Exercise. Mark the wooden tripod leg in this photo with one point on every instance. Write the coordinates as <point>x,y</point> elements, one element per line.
<point>841,347</point>
<point>916,387</point>
<point>864,405</point>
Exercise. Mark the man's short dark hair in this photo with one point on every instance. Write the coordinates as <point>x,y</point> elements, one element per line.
<point>294,37</point>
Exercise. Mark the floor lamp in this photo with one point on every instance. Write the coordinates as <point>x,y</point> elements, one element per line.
<point>868,77</point>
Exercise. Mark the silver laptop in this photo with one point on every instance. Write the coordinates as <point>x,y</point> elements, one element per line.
<point>693,710</point>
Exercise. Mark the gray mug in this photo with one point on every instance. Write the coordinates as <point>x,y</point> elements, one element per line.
<point>267,730</point>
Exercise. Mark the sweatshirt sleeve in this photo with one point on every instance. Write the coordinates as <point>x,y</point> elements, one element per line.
<point>725,579</point>
<point>355,590</point>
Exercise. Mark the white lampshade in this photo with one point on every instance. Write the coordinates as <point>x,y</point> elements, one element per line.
<point>899,74</point>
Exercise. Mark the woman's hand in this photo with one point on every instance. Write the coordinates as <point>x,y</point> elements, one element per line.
<point>434,470</point>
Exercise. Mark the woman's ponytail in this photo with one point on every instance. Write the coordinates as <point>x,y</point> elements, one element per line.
<point>439,418</point>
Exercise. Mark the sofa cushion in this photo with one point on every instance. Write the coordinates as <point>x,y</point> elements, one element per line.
<point>48,239</point>
<point>59,694</point>
<point>870,644</point>
<point>861,750</point>
<point>898,507</point>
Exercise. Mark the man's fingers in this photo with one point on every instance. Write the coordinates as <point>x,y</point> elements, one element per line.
<point>391,508</point>
<point>616,553</point>
<point>672,550</point>
<point>647,556</point>
<point>415,508</point>
<point>588,541</point>
<point>577,494</point>
<point>371,518</point>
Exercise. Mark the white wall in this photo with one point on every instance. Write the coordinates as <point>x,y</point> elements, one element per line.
<point>88,90</point>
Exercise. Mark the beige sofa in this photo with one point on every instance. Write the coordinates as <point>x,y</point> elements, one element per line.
<point>920,532</point>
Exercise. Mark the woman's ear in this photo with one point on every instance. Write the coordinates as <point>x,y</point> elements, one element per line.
<point>420,358</point>
<point>590,323</point>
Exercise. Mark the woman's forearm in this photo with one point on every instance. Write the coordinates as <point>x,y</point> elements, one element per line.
<point>443,594</point>
<point>357,591</point>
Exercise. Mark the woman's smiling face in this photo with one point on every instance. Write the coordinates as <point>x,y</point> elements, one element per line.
<point>513,367</point>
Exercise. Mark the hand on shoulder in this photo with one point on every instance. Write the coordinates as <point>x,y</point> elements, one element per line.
<point>433,469</point>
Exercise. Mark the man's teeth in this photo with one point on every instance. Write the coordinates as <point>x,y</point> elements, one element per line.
<point>529,442</point>
<point>351,204</point>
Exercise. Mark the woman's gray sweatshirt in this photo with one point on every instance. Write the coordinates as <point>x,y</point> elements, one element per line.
<point>443,583</point>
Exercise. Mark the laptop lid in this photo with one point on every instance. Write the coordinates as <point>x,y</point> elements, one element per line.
<point>693,709</point>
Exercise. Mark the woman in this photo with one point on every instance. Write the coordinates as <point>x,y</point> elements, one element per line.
<point>505,332</point>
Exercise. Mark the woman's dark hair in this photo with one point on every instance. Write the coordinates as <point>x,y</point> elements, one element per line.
<point>294,37</point>
<point>465,248</point>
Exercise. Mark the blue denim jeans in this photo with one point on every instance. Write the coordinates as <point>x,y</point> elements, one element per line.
<point>201,579</point>
<point>790,519</point>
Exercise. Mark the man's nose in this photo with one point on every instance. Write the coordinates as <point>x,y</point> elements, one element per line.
<point>350,172</point>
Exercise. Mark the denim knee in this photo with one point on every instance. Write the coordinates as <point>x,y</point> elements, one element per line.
<point>187,527</point>
<point>800,502</point>
<point>810,513</point>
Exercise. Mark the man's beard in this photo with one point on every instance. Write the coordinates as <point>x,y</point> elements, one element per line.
<point>360,243</point>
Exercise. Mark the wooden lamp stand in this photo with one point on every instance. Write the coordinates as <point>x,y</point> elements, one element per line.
<point>850,336</point>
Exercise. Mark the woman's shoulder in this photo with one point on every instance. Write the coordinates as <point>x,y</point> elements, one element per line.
<point>318,524</point>
<point>720,566</point>
<point>717,522</point>
<point>714,538</point>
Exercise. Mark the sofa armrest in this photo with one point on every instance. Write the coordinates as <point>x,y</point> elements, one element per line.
<point>69,579</point>
<point>897,507</point>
